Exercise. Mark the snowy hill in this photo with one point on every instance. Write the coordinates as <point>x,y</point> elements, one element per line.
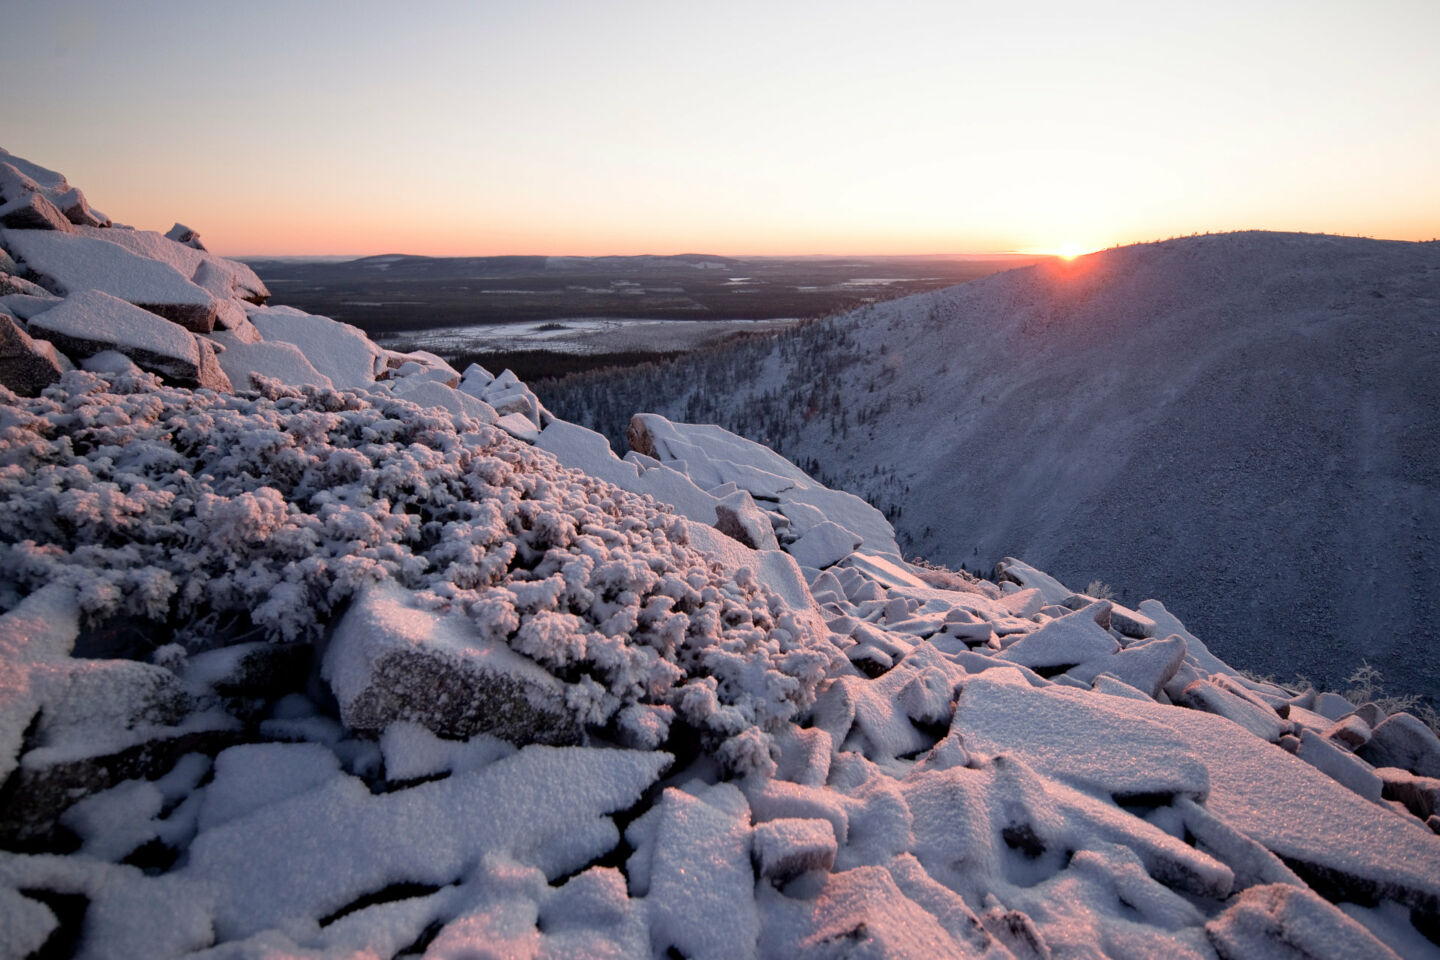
<point>312,649</point>
<point>1241,424</point>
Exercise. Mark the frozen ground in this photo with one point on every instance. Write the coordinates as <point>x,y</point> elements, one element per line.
<point>388,661</point>
<point>585,335</point>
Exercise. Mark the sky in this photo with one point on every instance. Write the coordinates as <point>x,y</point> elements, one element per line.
<point>584,127</point>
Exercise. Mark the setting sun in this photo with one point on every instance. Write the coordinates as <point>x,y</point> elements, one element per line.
<point>1070,251</point>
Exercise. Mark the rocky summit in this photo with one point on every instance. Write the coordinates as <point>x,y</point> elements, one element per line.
<point>315,649</point>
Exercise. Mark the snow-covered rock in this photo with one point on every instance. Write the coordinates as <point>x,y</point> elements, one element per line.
<point>19,176</point>
<point>1401,740</point>
<point>89,322</point>
<point>68,264</point>
<point>389,661</point>
<point>298,608</point>
<point>339,351</point>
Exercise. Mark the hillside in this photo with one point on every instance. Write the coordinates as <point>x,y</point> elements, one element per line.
<point>1241,424</point>
<point>313,649</point>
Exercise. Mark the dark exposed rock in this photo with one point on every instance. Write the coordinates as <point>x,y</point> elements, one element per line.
<point>89,322</point>
<point>1351,732</point>
<point>388,661</point>
<point>183,234</point>
<point>35,796</point>
<point>1421,795</point>
<point>27,366</point>
<point>33,212</point>
<point>1403,740</point>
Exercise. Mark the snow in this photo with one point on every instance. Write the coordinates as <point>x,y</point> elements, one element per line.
<point>40,630</point>
<point>1096,743</point>
<point>255,775</point>
<point>1100,419</point>
<point>824,544</point>
<point>279,361</point>
<point>1072,639</point>
<point>701,885</point>
<point>326,622</point>
<point>73,264</point>
<point>298,857</point>
<point>339,351</point>
<point>101,321</point>
<point>1263,921</point>
<point>430,393</point>
<point>225,279</point>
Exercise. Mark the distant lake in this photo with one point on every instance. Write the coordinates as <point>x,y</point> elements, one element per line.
<point>581,335</point>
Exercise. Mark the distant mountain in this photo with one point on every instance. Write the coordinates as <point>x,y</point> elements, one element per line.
<point>1243,424</point>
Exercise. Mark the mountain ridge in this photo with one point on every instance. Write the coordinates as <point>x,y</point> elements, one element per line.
<point>1143,416</point>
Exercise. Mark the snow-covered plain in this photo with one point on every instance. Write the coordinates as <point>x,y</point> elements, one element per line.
<point>363,656</point>
<point>588,335</point>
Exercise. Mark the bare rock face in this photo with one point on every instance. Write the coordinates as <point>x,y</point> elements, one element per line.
<point>638,436</point>
<point>389,661</point>
<point>209,375</point>
<point>27,366</point>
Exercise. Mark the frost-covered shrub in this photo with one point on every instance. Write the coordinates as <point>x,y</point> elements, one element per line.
<point>163,503</point>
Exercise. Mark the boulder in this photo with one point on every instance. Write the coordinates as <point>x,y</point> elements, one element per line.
<point>338,350</point>
<point>1351,732</point>
<point>1280,920</point>
<point>1065,642</point>
<point>1208,695</point>
<point>1332,706</point>
<point>1339,764</point>
<point>211,376</point>
<point>1147,665</point>
<point>256,669</point>
<point>45,784</point>
<point>1403,740</point>
<point>389,661</point>
<point>27,305</point>
<point>67,264</point>
<point>519,426</point>
<point>183,234</point>
<point>20,176</point>
<point>1131,623</point>
<point>737,516</point>
<point>31,211</point>
<point>785,848</point>
<point>27,366</point>
<point>10,285</point>
<point>1420,795</point>
<point>823,545</point>
<point>89,322</point>
<point>280,361</point>
<point>431,393</point>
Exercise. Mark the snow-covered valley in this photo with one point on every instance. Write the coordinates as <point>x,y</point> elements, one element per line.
<point>310,648</point>
<point>1242,424</point>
